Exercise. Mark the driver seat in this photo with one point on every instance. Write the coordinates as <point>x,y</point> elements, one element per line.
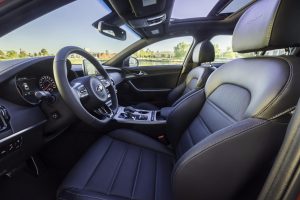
<point>223,137</point>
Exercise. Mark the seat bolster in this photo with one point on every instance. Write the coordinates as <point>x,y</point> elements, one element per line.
<point>229,158</point>
<point>76,194</point>
<point>176,93</point>
<point>138,139</point>
<point>197,78</point>
<point>83,170</point>
<point>182,114</point>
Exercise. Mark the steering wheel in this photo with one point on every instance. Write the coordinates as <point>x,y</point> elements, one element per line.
<point>92,99</point>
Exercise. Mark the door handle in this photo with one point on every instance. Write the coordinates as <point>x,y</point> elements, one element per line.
<point>140,73</point>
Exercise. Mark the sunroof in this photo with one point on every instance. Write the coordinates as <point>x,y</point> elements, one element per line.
<point>235,5</point>
<point>184,9</point>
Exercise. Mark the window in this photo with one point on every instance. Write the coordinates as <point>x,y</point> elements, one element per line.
<point>167,52</point>
<point>224,52</point>
<point>184,9</point>
<point>68,25</point>
<point>192,9</point>
<point>223,49</point>
<point>235,5</point>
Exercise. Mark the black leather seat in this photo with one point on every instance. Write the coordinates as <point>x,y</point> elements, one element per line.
<point>122,165</point>
<point>204,52</point>
<point>222,136</point>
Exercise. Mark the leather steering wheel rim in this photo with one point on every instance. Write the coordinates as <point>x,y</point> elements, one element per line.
<point>70,96</point>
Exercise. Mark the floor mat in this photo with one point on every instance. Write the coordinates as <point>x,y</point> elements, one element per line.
<point>25,185</point>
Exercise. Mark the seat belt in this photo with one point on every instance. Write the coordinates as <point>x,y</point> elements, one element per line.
<point>283,182</point>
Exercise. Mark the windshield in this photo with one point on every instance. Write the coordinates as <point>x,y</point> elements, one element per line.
<point>70,25</point>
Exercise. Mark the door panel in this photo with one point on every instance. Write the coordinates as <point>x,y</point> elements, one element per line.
<point>148,84</point>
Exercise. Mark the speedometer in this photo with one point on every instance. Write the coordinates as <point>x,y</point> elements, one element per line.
<point>46,83</point>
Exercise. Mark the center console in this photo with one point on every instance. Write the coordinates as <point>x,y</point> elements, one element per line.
<point>136,116</point>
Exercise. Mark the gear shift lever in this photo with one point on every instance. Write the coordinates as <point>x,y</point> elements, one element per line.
<point>129,109</point>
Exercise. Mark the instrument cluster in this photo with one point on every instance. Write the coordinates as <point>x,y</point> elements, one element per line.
<point>28,86</point>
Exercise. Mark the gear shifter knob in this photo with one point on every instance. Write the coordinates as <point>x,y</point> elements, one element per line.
<point>129,109</point>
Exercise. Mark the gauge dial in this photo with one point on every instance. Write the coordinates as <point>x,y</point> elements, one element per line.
<point>46,83</point>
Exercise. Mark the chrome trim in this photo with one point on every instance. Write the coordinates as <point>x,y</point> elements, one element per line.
<point>157,20</point>
<point>22,131</point>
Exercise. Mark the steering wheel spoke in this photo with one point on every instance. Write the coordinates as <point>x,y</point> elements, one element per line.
<point>80,90</point>
<point>91,98</point>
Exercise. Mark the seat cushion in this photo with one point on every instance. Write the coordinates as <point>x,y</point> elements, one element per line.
<point>123,165</point>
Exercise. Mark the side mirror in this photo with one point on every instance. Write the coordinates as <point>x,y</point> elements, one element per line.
<point>112,31</point>
<point>131,62</point>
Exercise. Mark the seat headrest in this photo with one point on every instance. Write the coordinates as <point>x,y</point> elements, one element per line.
<point>203,52</point>
<point>267,25</point>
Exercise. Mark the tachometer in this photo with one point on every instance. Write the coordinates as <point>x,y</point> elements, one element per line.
<point>47,83</point>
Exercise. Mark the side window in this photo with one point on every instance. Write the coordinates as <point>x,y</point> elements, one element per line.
<point>167,52</point>
<point>224,52</point>
<point>223,49</point>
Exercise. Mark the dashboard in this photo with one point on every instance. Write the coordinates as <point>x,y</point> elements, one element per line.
<point>26,122</point>
<point>27,86</point>
<point>38,77</point>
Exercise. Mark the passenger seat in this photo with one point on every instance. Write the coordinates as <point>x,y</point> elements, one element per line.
<point>204,52</point>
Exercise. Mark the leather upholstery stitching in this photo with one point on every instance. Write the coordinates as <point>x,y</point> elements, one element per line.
<point>287,84</point>
<point>271,25</point>
<point>155,185</point>
<point>117,170</point>
<point>200,153</point>
<point>284,112</point>
<point>183,100</point>
<point>108,148</point>
<point>137,174</point>
<point>221,111</point>
<point>189,133</point>
<point>204,124</point>
<point>146,147</point>
<point>86,195</point>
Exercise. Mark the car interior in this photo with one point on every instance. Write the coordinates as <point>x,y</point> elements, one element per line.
<point>162,111</point>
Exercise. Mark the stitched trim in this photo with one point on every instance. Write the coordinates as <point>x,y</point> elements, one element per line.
<point>76,192</point>
<point>155,185</point>
<point>145,147</point>
<point>284,112</point>
<point>178,170</point>
<point>271,25</point>
<point>98,163</point>
<point>189,135</point>
<point>137,174</point>
<point>183,100</point>
<point>282,91</point>
<point>204,124</point>
<point>222,112</point>
<point>117,170</point>
<point>186,96</point>
<point>85,195</point>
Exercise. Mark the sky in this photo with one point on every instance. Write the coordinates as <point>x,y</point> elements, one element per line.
<point>68,25</point>
<point>72,25</point>
<point>192,8</point>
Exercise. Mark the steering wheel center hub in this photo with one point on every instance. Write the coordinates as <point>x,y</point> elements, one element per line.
<point>98,89</point>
